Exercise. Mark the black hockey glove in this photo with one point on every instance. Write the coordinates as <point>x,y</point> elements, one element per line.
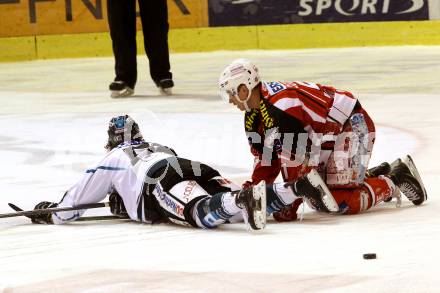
<point>44,218</point>
<point>117,206</point>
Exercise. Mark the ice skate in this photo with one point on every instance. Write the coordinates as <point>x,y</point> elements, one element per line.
<point>412,168</point>
<point>253,201</point>
<point>120,89</point>
<point>405,175</point>
<point>165,86</point>
<point>315,191</point>
<point>382,169</point>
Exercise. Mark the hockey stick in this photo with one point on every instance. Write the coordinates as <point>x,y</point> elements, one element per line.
<point>99,218</point>
<point>91,218</point>
<point>53,210</point>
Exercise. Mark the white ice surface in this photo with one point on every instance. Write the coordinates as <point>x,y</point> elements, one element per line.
<point>53,120</point>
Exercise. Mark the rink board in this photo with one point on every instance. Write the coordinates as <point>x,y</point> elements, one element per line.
<point>296,36</point>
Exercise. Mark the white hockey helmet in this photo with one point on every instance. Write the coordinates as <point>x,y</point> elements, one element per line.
<point>240,71</point>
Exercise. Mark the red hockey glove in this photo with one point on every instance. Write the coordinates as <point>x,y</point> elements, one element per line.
<point>247,184</point>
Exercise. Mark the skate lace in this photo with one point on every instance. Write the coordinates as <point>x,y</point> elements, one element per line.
<point>409,191</point>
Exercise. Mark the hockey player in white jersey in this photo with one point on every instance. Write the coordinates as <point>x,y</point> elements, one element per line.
<point>149,183</point>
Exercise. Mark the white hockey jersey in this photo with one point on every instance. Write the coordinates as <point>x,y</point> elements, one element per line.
<point>123,169</point>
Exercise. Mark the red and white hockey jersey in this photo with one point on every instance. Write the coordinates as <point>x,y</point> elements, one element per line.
<point>293,108</point>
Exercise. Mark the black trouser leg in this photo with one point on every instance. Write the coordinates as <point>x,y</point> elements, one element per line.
<point>154,16</point>
<point>122,23</point>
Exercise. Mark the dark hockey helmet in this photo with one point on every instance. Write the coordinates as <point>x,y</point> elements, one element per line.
<point>122,129</point>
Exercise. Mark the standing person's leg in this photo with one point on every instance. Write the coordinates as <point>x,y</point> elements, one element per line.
<point>154,16</point>
<point>122,24</point>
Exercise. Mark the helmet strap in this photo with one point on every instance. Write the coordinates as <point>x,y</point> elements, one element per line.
<point>245,102</point>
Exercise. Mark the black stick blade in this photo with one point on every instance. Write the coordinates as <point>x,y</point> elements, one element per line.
<point>53,210</point>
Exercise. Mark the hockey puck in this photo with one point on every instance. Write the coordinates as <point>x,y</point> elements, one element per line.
<point>369,256</point>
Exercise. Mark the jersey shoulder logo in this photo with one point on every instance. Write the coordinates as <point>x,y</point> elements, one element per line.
<point>274,87</point>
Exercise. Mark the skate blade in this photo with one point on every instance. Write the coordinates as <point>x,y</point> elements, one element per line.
<point>122,94</point>
<point>413,169</point>
<point>259,213</point>
<point>328,200</point>
<point>395,163</point>
<point>166,92</point>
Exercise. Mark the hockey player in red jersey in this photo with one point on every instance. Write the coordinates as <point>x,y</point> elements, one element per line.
<point>293,127</point>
